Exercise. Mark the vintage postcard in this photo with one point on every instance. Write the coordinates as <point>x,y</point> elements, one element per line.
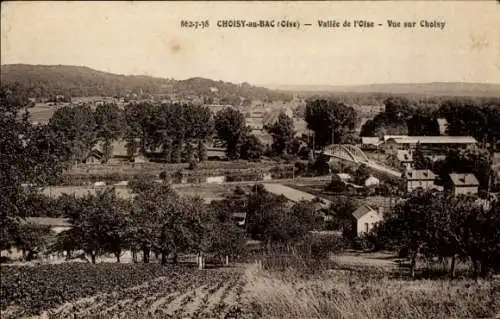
<point>250,159</point>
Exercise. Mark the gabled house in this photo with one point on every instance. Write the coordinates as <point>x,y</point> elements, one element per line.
<point>463,184</point>
<point>94,157</point>
<point>422,178</point>
<point>364,219</point>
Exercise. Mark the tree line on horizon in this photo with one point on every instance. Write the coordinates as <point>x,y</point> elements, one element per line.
<point>45,81</point>
<point>477,118</point>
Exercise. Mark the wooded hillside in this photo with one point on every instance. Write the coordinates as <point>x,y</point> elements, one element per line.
<point>75,81</point>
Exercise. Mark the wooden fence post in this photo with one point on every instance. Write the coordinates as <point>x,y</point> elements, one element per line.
<point>200,261</point>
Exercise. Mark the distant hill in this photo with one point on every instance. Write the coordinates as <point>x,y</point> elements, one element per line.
<point>77,81</point>
<point>431,89</point>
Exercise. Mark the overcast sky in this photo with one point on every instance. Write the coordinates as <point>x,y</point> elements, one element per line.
<point>146,38</point>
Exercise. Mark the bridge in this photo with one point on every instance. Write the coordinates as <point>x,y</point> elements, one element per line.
<point>354,154</point>
<point>347,152</point>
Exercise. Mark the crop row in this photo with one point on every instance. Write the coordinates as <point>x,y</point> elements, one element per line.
<point>31,290</point>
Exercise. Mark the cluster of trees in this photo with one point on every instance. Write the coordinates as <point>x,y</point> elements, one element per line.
<point>436,225</point>
<point>28,155</point>
<point>169,129</point>
<point>479,118</point>
<point>174,132</point>
<point>332,122</point>
<point>471,117</point>
<point>157,220</point>
<point>230,126</point>
<point>402,118</point>
<point>177,131</point>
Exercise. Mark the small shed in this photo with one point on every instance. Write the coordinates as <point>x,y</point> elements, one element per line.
<point>365,218</point>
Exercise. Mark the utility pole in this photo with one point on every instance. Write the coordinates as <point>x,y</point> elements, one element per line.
<point>314,144</point>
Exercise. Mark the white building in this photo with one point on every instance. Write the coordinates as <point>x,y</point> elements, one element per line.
<point>365,218</point>
<point>371,181</point>
<point>422,178</point>
<point>466,184</point>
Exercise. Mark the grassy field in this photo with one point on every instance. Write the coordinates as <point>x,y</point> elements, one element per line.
<point>338,294</point>
<point>42,112</point>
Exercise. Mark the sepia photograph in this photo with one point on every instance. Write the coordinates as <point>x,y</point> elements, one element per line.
<point>250,159</point>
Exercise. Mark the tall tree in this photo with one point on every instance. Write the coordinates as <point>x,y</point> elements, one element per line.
<point>420,161</point>
<point>28,155</point>
<point>283,133</point>
<point>271,219</point>
<point>331,121</point>
<point>99,223</point>
<point>110,126</point>
<point>77,126</point>
<point>423,123</point>
<point>31,239</point>
<point>231,128</point>
<point>250,147</point>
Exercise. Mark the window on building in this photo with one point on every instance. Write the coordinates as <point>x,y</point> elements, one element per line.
<point>367,227</point>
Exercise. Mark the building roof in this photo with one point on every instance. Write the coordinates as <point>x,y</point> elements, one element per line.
<point>344,176</point>
<point>293,195</point>
<point>389,137</point>
<point>49,221</point>
<point>464,179</point>
<point>404,156</point>
<point>372,180</point>
<point>239,215</point>
<point>368,140</point>
<point>435,140</point>
<point>95,153</point>
<point>119,148</point>
<point>216,152</point>
<point>420,174</point>
<point>362,211</point>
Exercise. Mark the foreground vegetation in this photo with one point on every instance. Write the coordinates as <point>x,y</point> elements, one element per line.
<point>155,291</point>
<point>337,294</point>
<point>110,290</point>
